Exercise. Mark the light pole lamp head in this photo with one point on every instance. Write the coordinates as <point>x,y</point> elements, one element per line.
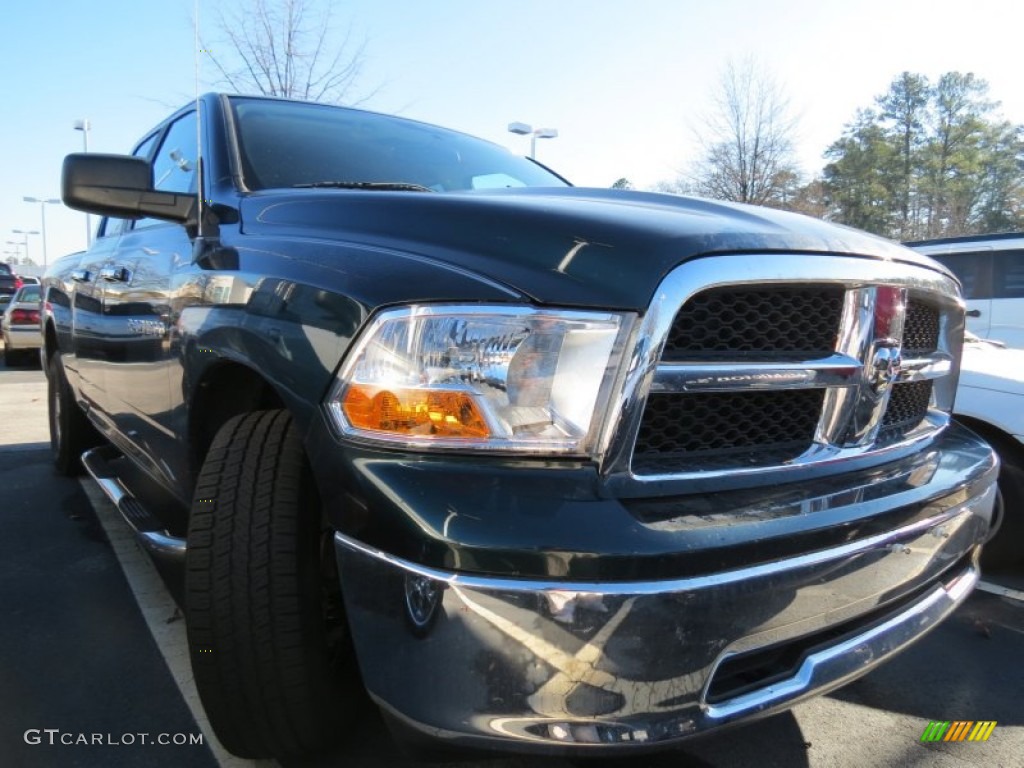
<point>82,125</point>
<point>520,128</point>
<point>546,133</point>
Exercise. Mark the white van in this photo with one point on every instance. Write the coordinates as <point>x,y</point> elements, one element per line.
<point>991,269</point>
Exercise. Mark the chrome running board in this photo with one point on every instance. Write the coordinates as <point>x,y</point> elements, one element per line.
<point>148,530</point>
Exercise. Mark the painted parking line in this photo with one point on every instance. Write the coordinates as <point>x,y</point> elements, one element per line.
<point>163,618</point>
<point>998,589</point>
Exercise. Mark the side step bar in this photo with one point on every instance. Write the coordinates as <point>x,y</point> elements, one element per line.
<point>148,530</point>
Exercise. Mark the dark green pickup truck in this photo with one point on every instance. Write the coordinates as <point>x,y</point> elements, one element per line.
<point>538,468</point>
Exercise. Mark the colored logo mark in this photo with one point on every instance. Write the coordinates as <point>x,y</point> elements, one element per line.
<point>958,730</point>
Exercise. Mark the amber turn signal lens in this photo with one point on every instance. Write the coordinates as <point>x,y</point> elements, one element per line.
<point>414,412</point>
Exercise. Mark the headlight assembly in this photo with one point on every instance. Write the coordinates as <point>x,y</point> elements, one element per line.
<point>481,377</point>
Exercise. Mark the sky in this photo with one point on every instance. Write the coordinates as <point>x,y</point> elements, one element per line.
<point>625,82</point>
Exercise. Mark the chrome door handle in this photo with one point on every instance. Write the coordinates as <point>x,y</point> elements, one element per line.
<point>974,313</point>
<point>81,275</point>
<point>113,274</point>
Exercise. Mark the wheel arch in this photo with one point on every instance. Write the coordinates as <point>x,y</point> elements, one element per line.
<point>226,389</point>
<point>49,339</point>
<point>998,438</point>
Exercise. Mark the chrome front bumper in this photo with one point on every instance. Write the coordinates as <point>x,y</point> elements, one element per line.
<point>556,666</point>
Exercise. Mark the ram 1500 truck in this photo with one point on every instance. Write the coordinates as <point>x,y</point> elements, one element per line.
<point>537,467</point>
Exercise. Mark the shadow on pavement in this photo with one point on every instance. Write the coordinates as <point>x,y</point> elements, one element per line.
<point>77,656</point>
<point>970,669</point>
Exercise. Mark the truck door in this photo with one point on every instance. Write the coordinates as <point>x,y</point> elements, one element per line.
<point>137,311</point>
<point>84,359</point>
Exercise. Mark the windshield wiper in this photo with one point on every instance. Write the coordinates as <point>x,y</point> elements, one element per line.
<point>387,186</point>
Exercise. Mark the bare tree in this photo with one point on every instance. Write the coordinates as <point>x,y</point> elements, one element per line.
<point>746,141</point>
<point>286,48</point>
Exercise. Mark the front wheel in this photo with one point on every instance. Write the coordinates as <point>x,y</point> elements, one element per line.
<point>269,647</point>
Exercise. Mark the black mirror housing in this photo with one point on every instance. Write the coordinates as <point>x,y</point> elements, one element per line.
<point>121,186</point>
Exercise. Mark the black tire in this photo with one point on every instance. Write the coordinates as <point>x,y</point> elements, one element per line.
<point>71,434</point>
<point>1006,549</point>
<point>270,652</point>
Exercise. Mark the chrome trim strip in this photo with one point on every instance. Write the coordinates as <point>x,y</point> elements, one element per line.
<point>860,277</point>
<point>833,371</point>
<point>882,366</point>
<point>855,334</point>
<point>932,367</point>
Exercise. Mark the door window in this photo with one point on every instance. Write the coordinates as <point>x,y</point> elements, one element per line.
<point>110,225</point>
<point>969,269</point>
<point>1008,275</point>
<point>176,164</point>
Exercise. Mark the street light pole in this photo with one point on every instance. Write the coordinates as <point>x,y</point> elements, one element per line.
<point>26,233</point>
<point>83,125</point>
<point>534,133</point>
<point>42,211</point>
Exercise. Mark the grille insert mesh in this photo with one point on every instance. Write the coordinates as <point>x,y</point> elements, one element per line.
<point>920,329</point>
<point>908,405</point>
<point>802,320</point>
<point>748,428</point>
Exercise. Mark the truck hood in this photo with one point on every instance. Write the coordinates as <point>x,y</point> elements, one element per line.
<point>568,246</point>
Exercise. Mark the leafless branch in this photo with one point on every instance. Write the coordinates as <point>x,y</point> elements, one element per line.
<point>286,48</point>
<point>747,150</point>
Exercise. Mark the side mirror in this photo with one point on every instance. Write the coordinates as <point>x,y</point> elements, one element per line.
<point>121,186</point>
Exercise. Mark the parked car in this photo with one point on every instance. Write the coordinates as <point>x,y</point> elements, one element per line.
<point>991,269</point>
<point>990,400</point>
<point>28,279</point>
<point>543,468</point>
<point>9,282</point>
<point>19,326</point>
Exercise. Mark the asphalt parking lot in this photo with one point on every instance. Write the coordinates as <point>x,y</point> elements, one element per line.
<point>92,644</point>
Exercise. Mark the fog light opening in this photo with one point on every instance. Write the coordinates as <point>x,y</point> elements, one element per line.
<point>422,603</point>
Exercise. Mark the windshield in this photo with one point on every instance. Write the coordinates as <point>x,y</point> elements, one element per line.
<point>289,144</point>
<point>4,269</point>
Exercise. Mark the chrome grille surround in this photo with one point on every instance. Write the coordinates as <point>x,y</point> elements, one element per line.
<point>858,376</point>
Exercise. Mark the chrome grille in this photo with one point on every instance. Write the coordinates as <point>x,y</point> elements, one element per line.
<point>759,373</point>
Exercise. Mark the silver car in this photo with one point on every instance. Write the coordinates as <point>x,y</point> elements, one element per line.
<point>20,326</point>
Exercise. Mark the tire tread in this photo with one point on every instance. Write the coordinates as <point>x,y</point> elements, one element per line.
<point>254,627</point>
